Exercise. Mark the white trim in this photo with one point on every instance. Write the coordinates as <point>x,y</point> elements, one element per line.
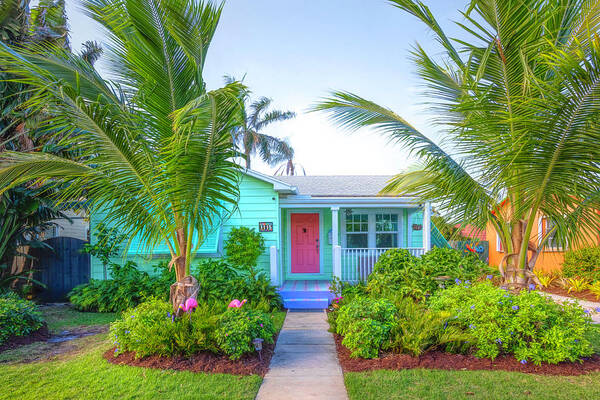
<point>278,186</point>
<point>335,226</point>
<point>347,202</point>
<point>372,232</point>
<point>499,244</point>
<point>289,244</point>
<point>427,226</point>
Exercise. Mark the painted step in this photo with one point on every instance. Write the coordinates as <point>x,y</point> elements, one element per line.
<point>306,303</point>
<point>293,294</point>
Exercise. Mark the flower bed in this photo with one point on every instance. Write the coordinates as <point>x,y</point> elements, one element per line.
<point>208,337</point>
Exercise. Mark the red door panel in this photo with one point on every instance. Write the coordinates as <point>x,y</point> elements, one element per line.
<point>305,243</point>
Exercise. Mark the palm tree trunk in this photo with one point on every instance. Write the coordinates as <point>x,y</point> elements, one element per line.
<point>186,286</point>
<point>247,153</point>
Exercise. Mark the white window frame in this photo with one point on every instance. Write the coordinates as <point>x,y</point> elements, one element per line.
<point>542,229</point>
<point>372,225</point>
<point>397,231</point>
<point>499,248</point>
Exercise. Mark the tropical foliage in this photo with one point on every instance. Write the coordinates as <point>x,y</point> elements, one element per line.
<point>155,148</point>
<point>18,317</point>
<point>257,115</point>
<point>517,101</point>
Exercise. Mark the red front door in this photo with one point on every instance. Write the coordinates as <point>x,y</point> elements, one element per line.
<point>305,243</point>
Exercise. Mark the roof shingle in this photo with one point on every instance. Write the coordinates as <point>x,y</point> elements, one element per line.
<point>338,185</point>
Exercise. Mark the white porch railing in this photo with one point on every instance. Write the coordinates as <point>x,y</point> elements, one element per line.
<point>357,264</point>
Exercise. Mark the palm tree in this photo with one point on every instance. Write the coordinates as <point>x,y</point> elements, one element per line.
<point>249,138</point>
<point>517,100</point>
<point>155,150</point>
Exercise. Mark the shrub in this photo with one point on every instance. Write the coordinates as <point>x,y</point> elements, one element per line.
<point>238,327</point>
<point>529,325</point>
<point>243,247</point>
<point>220,282</point>
<point>420,277</point>
<point>18,317</point>
<point>127,288</point>
<point>418,329</point>
<point>365,324</point>
<point>584,263</point>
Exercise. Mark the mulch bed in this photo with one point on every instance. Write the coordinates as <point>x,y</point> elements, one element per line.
<point>447,361</point>
<point>585,295</point>
<point>40,335</point>
<point>249,364</point>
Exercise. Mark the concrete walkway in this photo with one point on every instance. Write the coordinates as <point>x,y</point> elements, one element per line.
<point>305,364</point>
<point>587,305</point>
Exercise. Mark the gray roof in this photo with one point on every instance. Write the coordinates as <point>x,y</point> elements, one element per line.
<point>338,185</point>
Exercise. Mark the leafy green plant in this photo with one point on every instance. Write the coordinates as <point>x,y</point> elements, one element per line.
<point>577,285</point>
<point>238,327</point>
<point>365,324</point>
<point>417,329</point>
<point>421,277</point>
<point>18,317</point>
<point>151,329</point>
<point>528,325</point>
<point>583,262</point>
<point>243,247</point>
<point>220,282</point>
<point>127,288</point>
<point>106,246</point>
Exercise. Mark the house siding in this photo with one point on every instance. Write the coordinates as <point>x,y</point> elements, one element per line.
<point>259,202</point>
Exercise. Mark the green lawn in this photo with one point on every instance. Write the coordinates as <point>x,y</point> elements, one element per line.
<point>61,318</point>
<point>438,384</point>
<point>82,373</point>
<point>86,375</point>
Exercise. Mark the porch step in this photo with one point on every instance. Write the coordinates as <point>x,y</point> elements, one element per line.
<point>304,299</point>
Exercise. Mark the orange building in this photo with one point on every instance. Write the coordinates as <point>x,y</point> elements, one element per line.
<point>551,257</point>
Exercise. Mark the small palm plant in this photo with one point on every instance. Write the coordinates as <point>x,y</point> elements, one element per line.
<point>517,99</point>
<point>155,154</point>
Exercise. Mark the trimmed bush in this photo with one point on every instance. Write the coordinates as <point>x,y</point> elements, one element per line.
<point>243,247</point>
<point>365,324</point>
<point>18,317</point>
<point>151,329</point>
<point>583,263</point>
<point>238,327</point>
<point>529,325</point>
<point>396,272</point>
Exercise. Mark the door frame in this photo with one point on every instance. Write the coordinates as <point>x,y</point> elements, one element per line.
<point>288,270</point>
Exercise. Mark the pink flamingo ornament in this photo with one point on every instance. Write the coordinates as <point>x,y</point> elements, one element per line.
<point>235,303</point>
<point>190,305</point>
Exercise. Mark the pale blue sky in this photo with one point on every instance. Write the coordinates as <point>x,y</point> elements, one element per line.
<point>296,51</point>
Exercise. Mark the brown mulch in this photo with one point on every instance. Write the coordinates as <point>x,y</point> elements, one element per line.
<point>447,361</point>
<point>40,335</point>
<point>584,295</point>
<point>249,364</point>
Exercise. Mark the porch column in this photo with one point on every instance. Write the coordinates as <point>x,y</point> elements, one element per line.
<point>274,267</point>
<point>427,226</point>
<point>335,248</point>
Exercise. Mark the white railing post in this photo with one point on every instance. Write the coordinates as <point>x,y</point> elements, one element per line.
<point>427,226</point>
<point>274,269</point>
<point>337,261</point>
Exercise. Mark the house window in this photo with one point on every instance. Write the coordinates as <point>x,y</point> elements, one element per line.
<point>552,243</point>
<point>357,231</point>
<point>386,231</point>
<point>499,248</point>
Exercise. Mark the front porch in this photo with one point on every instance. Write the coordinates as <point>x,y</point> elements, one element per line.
<point>328,237</point>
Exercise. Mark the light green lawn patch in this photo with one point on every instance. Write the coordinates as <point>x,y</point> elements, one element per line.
<point>278,319</point>
<point>87,375</point>
<point>497,385</point>
<point>61,318</point>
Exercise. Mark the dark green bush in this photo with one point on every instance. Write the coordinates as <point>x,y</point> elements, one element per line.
<point>243,247</point>
<point>238,327</point>
<point>220,282</point>
<point>127,288</point>
<point>583,263</point>
<point>151,329</point>
<point>399,273</point>
<point>18,317</point>
<point>529,325</point>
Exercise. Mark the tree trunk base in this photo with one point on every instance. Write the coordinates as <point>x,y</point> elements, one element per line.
<point>182,290</point>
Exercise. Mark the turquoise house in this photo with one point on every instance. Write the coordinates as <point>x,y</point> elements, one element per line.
<point>315,228</point>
